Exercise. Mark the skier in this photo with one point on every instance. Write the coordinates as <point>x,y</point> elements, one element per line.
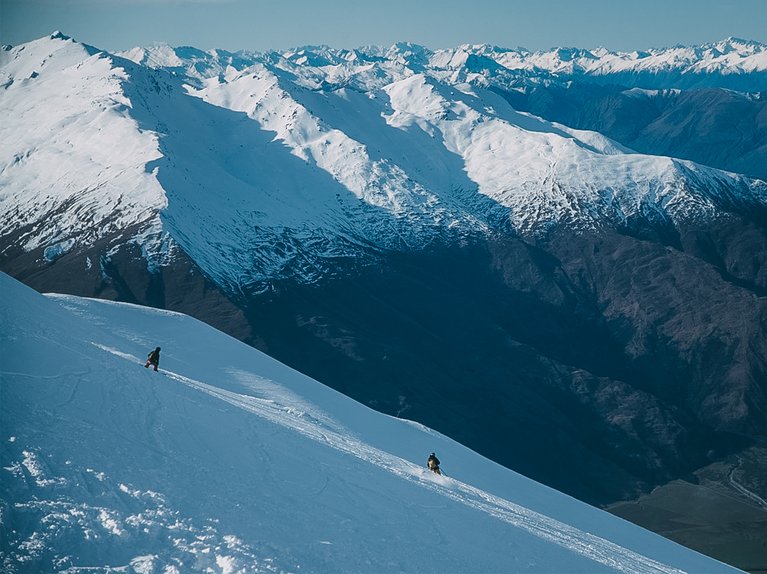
<point>153,359</point>
<point>433,464</point>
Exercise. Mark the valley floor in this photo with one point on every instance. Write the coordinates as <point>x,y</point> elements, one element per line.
<point>713,512</point>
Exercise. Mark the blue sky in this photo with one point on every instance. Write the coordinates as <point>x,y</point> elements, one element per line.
<point>261,25</point>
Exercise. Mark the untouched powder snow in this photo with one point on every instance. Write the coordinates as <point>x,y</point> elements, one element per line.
<point>228,461</point>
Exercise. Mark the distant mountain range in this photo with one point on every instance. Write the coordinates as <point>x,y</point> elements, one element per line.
<point>445,236</point>
<point>732,63</point>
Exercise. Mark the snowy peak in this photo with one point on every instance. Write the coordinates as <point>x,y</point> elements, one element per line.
<point>161,56</point>
<point>731,63</point>
<point>46,55</point>
<point>312,56</point>
<point>77,151</point>
<point>192,64</point>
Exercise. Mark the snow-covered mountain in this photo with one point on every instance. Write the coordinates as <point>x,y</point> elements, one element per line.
<point>228,461</point>
<point>732,63</point>
<point>717,127</point>
<point>291,161</point>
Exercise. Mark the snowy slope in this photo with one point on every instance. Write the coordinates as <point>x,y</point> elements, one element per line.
<point>70,149</point>
<point>228,461</point>
<point>272,165</point>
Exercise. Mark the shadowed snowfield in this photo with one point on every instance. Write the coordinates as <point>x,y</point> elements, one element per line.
<point>228,461</point>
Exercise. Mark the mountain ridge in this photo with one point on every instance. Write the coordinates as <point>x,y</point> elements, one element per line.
<point>342,192</point>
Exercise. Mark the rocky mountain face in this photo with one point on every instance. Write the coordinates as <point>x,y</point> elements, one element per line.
<point>394,224</point>
<point>641,404</point>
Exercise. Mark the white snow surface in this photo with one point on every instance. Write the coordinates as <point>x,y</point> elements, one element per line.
<point>263,166</point>
<point>72,159</point>
<point>228,461</point>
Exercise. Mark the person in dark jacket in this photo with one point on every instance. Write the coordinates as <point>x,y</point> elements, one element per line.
<point>433,464</point>
<point>153,359</point>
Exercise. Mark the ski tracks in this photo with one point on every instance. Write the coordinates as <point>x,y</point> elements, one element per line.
<point>588,545</point>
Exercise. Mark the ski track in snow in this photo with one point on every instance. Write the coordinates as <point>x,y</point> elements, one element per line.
<point>588,545</point>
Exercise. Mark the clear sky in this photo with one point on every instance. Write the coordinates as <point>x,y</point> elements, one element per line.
<point>262,24</point>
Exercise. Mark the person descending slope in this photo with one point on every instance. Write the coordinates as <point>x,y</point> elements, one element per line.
<point>153,359</point>
<point>433,464</point>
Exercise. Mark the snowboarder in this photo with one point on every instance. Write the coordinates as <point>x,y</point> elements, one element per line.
<point>153,359</point>
<point>433,464</point>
